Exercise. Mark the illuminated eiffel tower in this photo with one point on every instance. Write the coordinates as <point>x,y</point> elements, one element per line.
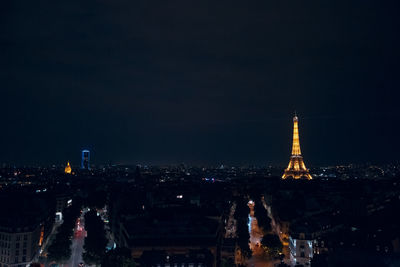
<point>296,169</point>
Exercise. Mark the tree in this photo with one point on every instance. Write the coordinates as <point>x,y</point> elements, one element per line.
<point>242,210</point>
<point>242,230</point>
<point>272,245</point>
<point>263,220</point>
<point>228,263</point>
<point>95,241</point>
<point>60,249</point>
<point>119,257</point>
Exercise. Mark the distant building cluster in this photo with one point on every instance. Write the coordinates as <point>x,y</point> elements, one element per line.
<point>335,217</point>
<point>204,216</point>
<point>183,215</point>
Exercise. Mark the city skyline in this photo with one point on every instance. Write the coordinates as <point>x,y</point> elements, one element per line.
<point>78,161</point>
<point>199,133</point>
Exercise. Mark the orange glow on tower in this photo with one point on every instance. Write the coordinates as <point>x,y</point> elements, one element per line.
<point>296,168</point>
<point>68,169</point>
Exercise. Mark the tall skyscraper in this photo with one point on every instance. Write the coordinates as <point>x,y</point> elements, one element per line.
<point>85,163</point>
<point>296,169</point>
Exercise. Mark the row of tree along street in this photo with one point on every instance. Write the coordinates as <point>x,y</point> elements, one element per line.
<point>60,249</point>
<point>95,242</point>
<point>261,214</point>
<point>242,230</point>
<point>270,242</point>
<point>95,251</point>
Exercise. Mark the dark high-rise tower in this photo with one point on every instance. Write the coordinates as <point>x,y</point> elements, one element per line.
<point>296,169</point>
<point>85,163</point>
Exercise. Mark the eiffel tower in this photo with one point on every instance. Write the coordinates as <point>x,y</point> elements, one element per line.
<point>296,169</point>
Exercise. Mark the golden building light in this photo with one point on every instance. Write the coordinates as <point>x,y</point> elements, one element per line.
<point>68,169</point>
<point>41,236</point>
<point>296,168</point>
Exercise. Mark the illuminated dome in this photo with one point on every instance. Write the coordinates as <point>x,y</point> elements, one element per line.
<point>68,169</point>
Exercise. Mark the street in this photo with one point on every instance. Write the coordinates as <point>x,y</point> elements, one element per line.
<point>76,247</point>
<point>77,243</point>
<point>258,259</point>
<point>275,229</point>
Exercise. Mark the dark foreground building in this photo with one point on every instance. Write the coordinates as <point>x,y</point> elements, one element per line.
<point>25,222</point>
<point>172,236</point>
<point>169,225</point>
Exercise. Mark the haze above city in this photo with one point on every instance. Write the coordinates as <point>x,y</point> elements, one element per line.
<point>198,82</point>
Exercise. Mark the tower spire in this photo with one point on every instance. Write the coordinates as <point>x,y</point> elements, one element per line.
<point>296,140</point>
<point>296,169</point>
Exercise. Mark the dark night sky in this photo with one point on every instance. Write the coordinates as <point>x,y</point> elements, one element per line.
<point>199,81</point>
